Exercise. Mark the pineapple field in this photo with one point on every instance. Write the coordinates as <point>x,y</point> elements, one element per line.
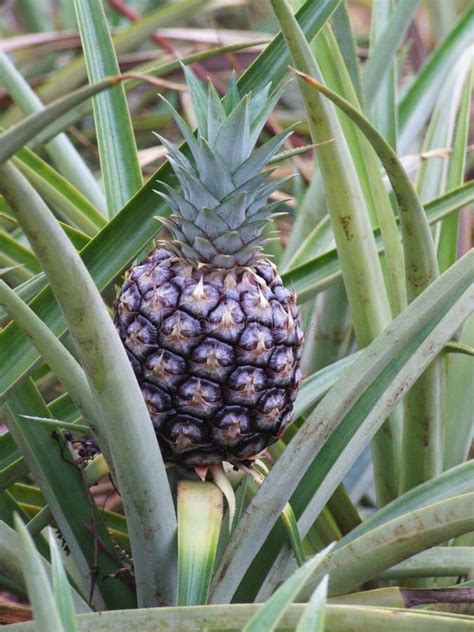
<point>236,315</point>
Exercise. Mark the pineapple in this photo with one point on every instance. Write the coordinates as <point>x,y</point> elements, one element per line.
<point>212,334</point>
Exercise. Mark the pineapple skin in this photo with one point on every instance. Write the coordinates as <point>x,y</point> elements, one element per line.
<point>216,354</point>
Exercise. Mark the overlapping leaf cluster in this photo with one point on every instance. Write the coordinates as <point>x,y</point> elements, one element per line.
<point>373,253</point>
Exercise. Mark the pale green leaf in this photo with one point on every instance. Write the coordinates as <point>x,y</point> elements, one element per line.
<point>197,539</point>
<point>271,613</point>
<point>45,611</point>
<point>61,588</point>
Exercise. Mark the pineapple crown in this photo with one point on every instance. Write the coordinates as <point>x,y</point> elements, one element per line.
<point>219,216</point>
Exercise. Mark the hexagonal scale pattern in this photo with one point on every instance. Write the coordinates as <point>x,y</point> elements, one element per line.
<point>216,354</point>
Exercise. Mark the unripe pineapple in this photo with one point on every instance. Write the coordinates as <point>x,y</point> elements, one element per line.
<point>211,332</point>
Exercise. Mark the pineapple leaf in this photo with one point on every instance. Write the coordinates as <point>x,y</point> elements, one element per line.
<point>232,141</point>
<point>197,541</point>
<point>260,157</point>
<point>173,151</point>
<point>214,173</point>
<point>39,589</point>
<point>266,105</point>
<point>258,100</point>
<point>233,210</point>
<point>186,210</point>
<point>183,128</point>
<point>261,209</point>
<point>205,248</point>
<point>61,588</point>
<point>253,186</point>
<point>229,243</point>
<point>272,611</point>
<point>210,222</point>
<point>312,619</point>
<point>215,113</point>
<point>194,189</point>
<point>190,230</point>
<point>199,99</point>
<point>252,230</point>
<point>121,173</point>
<point>232,96</point>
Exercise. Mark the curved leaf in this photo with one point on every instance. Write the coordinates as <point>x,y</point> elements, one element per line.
<point>39,589</point>
<point>124,417</point>
<point>24,131</point>
<point>378,549</point>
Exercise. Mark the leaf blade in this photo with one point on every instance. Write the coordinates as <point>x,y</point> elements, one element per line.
<point>117,148</point>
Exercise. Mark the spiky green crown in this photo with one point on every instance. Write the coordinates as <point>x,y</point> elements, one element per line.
<point>219,216</point>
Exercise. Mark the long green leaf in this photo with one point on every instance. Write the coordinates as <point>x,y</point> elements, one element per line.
<point>397,597</point>
<point>65,366</point>
<point>344,35</point>
<point>39,589</point>
<point>267,619</point>
<point>117,149</point>
<point>24,131</point>
<point>61,150</point>
<point>197,539</point>
<point>312,619</point>
<point>61,588</point>
<point>432,176</point>
<point>125,422</point>
<point>382,54</point>
<point>317,384</point>
<point>448,238</point>
<point>438,561</point>
<point>234,617</point>
<point>57,190</point>
<point>417,102</point>
<point>67,496</point>
<point>460,402</point>
<point>18,253</point>
<point>421,444</point>
<point>333,333</point>
<point>12,464</point>
<point>370,554</point>
<point>384,114</point>
<point>326,51</point>
<point>360,265</point>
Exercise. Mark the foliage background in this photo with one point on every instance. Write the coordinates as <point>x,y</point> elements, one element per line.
<point>375,237</point>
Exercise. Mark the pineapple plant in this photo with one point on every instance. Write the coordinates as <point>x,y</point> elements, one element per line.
<point>210,330</point>
<point>72,222</point>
